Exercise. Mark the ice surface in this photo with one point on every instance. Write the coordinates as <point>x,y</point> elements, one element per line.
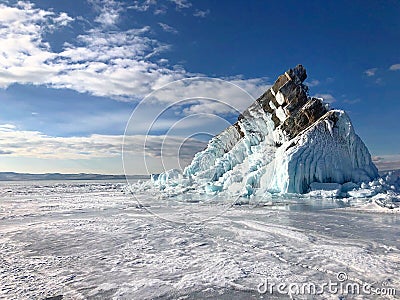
<point>92,240</point>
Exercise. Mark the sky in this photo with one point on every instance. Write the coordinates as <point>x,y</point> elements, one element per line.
<point>75,76</point>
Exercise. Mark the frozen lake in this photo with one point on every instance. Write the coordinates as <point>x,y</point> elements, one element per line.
<point>92,240</point>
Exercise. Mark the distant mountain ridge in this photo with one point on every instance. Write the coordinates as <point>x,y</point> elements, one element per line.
<point>12,176</point>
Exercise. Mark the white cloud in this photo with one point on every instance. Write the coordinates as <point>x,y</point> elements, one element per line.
<point>181,3</point>
<point>102,62</point>
<point>146,5</point>
<point>201,13</point>
<point>142,5</point>
<point>211,95</point>
<point>168,28</point>
<point>35,144</point>
<point>370,72</point>
<point>254,86</point>
<point>108,18</point>
<point>160,10</point>
<point>24,54</point>
<point>114,64</point>
<point>63,19</point>
<point>313,82</point>
<point>394,67</point>
<point>328,98</point>
<point>7,127</point>
<point>159,7</point>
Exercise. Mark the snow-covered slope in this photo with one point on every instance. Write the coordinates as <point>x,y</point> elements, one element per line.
<point>327,151</point>
<point>285,142</point>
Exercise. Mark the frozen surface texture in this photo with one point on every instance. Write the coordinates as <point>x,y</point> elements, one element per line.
<point>285,142</point>
<point>92,240</point>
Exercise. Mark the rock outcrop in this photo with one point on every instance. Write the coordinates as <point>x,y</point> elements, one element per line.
<point>282,143</point>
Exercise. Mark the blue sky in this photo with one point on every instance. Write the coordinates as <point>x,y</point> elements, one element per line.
<point>72,72</point>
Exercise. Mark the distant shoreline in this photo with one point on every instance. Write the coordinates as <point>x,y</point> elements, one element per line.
<point>12,176</point>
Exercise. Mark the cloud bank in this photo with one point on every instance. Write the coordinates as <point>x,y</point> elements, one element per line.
<point>23,143</point>
<point>104,61</point>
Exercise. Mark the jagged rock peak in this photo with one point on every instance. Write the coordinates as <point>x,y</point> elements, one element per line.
<point>289,105</point>
<point>299,72</point>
